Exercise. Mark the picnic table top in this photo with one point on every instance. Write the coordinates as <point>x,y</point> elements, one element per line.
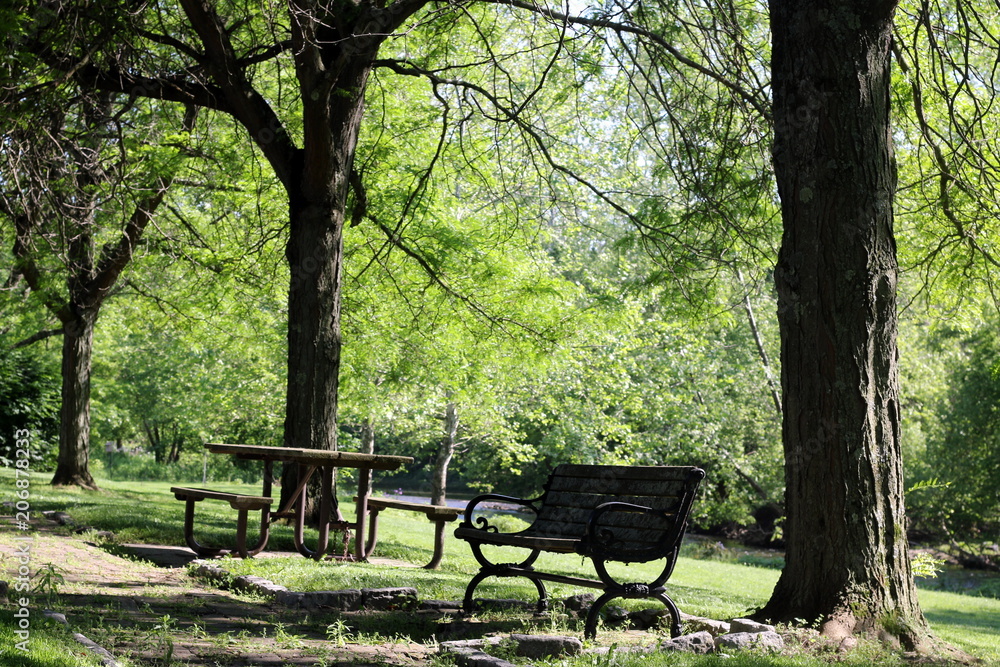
<point>316,457</point>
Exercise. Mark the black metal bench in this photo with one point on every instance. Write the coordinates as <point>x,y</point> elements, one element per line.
<point>242,503</point>
<point>627,514</point>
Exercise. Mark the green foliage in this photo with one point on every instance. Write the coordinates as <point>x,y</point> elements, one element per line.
<point>957,490</point>
<point>50,644</point>
<point>926,566</point>
<point>29,400</point>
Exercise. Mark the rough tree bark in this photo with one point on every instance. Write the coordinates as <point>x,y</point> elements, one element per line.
<point>74,412</point>
<point>846,562</point>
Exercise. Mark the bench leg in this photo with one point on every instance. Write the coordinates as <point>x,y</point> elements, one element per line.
<point>200,549</point>
<point>468,603</point>
<point>241,534</point>
<point>634,591</point>
<point>438,546</point>
<point>651,591</point>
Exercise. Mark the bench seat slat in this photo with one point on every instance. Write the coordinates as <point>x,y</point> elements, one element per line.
<point>441,512</point>
<point>236,500</point>
<point>617,487</point>
<point>622,534</point>
<point>589,501</point>
<point>526,540</point>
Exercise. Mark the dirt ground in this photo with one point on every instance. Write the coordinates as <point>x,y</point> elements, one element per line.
<point>139,603</point>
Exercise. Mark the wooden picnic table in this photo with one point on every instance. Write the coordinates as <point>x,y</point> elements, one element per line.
<point>309,461</point>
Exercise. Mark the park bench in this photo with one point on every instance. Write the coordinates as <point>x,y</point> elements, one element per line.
<point>242,503</point>
<point>626,514</point>
<point>437,514</point>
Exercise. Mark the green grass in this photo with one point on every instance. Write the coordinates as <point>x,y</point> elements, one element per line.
<point>49,644</point>
<point>147,512</point>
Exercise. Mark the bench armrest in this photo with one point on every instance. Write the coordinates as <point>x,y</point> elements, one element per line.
<point>601,542</point>
<point>482,523</point>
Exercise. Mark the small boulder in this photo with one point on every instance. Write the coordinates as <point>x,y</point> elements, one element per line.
<point>746,625</point>
<point>770,641</point>
<point>716,628</point>
<point>581,602</point>
<point>384,599</point>
<point>546,646</point>
<point>697,642</point>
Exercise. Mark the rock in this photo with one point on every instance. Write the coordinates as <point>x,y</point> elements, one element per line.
<point>746,625</point>
<point>645,619</point>
<point>546,646</point>
<point>55,616</point>
<point>248,583</point>
<point>473,658</point>
<point>615,650</point>
<point>455,630</point>
<point>614,615</point>
<point>208,571</point>
<point>847,645</point>
<point>384,599</point>
<point>440,605</point>
<point>346,600</point>
<point>770,641</point>
<point>290,599</point>
<point>61,518</point>
<point>581,602</point>
<point>468,653</point>
<point>715,628</point>
<point>698,642</point>
<point>460,644</point>
<point>106,658</point>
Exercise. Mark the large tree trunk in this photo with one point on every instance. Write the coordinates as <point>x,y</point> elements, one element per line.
<point>317,210</point>
<point>74,417</point>
<point>846,561</point>
<point>315,252</point>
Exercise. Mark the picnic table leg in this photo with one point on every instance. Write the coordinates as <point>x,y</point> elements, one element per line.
<point>325,503</point>
<point>304,473</point>
<point>372,533</point>
<point>324,512</point>
<point>265,515</point>
<point>361,512</point>
<point>241,534</point>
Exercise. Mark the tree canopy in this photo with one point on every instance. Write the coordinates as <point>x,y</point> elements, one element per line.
<point>563,228</point>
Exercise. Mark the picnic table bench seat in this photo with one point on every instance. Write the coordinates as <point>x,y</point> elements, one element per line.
<point>438,514</point>
<point>240,502</point>
<point>627,514</point>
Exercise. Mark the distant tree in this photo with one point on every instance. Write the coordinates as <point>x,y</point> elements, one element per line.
<point>965,458</point>
<point>29,401</point>
<point>75,223</point>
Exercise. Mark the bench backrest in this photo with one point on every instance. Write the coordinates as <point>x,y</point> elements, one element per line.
<point>574,491</point>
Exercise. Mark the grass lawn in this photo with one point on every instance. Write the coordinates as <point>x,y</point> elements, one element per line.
<point>146,512</point>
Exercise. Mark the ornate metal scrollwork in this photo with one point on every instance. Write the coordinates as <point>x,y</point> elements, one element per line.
<point>482,523</point>
<point>636,590</point>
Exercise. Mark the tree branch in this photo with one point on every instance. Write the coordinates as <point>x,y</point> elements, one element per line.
<point>639,31</point>
<point>34,338</point>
